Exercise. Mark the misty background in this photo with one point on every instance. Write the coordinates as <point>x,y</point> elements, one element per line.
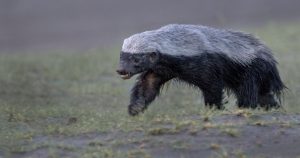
<point>80,25</point>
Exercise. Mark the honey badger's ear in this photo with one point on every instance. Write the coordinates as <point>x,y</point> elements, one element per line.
<point>153,56</point>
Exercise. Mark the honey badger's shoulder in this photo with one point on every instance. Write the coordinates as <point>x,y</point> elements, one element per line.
<point>190,40</point>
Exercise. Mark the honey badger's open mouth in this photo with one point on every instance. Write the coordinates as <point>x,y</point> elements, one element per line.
<point>126,76</point>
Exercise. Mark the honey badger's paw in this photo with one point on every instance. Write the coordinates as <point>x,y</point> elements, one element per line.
<point>135,109</point>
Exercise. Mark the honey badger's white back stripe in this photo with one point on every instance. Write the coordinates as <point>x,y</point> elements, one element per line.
<point>190,40</point>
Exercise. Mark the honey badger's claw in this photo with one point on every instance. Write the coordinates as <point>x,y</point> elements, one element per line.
<point>134,110</point>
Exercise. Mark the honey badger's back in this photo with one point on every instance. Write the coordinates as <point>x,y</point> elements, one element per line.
<point>190,40</point>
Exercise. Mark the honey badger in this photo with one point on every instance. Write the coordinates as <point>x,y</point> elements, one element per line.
<point>209,58</point>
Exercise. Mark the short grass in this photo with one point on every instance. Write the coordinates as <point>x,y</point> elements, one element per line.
<point>70,94</point>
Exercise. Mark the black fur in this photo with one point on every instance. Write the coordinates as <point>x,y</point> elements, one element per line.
<point>253,84</point>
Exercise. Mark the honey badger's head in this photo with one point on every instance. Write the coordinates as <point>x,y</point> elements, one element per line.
<point>139,53</point>
<point>131,64</point>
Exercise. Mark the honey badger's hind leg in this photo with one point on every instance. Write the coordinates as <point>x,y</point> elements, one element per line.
<point>271,90</point>
<point>267,101</point>
<point>146,88</point>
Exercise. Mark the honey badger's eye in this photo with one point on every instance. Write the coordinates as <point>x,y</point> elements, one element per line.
<point>136,60</point>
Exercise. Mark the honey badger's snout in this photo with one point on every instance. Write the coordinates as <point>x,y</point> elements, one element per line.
<point>128,66</point>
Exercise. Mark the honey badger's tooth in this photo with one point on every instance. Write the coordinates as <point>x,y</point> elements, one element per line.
<point>126,76</point>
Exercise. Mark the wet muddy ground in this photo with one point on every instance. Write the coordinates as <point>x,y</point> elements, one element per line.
<point>229,135</point>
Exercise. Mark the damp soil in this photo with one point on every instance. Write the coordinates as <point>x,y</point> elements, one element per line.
<point>229,135</point>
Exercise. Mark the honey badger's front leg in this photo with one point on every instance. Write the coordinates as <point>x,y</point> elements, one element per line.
<point>144,91</point>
